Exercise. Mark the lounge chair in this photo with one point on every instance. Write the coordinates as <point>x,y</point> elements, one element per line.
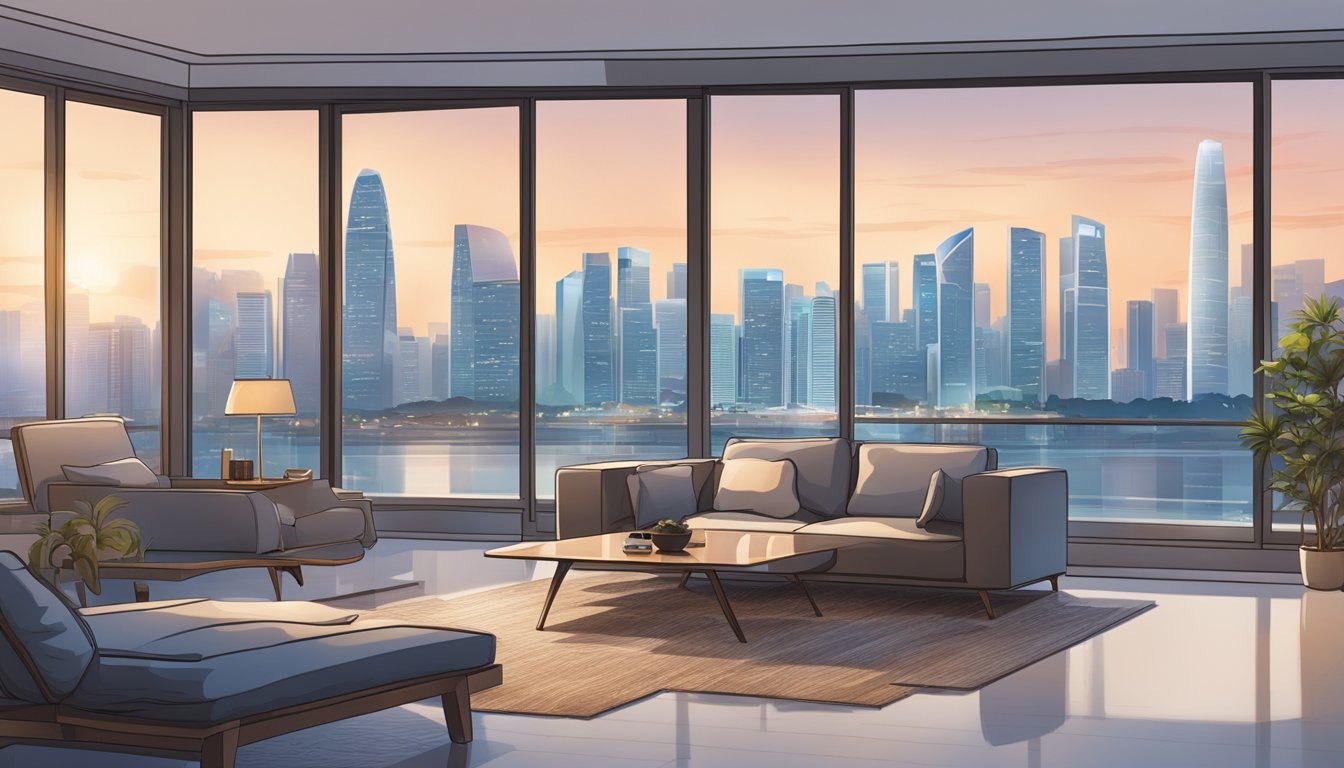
<point>201,678</point>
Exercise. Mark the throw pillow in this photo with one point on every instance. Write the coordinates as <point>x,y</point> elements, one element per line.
<point>130,472</point>
<point>767,488</point>
<point>933,500</point>
<point>661,493</point>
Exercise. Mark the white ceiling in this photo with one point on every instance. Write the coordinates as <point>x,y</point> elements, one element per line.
<point>202,44</point>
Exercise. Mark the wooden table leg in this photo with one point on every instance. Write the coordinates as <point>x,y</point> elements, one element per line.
<point>796,579</point>
<point>561,568</point>
<point>685,577</point>
<point>723,603</point>
<point>141,591</point>
<point>275,579</point>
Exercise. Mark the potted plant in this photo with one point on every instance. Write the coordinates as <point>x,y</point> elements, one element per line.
<point>88,536</point>
<point>1300,434</point>
<point>670,535</point>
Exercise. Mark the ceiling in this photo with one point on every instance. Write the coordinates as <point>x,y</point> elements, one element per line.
<point>189,44</point>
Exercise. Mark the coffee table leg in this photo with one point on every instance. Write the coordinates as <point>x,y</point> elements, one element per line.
<point>723,603</point>
<point>561,568</point>
<point>796,579</point>
<point>685,577</point>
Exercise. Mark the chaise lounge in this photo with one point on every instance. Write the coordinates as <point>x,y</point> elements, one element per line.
<point>201,678</point>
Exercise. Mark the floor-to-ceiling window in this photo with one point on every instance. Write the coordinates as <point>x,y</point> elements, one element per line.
<point>431,304</point>
<point>23,321</point>
<point>256,280</point>
<point>1058,258</point>
<point>774,265</point>
<point>611,282</point>
<point>113,225</point>
<point>1307,194</point>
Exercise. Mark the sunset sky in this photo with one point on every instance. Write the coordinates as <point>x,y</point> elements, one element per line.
<point>612,173</point>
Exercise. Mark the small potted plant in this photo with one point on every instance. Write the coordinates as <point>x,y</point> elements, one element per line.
<point>1300,433</point>
<point>89,535</point>
<point>670,535</point>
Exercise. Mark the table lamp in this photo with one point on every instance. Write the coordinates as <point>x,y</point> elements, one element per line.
<point>260,397</point>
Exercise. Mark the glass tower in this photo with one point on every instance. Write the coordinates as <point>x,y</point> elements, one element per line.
<point>1091,358</point>
<point>255,348</point>
<point>956,320</point>
<point>301,331</point>
<point>722,359</point>
<point>1026,312</point>
<point>1207,327</point>
<point>485,311</point>
<point>875,292</point>
<point>369,339</point>
<point>821,354</point>
<point>599,381</point>
<point>569,339</point>
<point>669,318</point>
<point>761,298</point>
<point>1139,344</point>
<point>926,308</point>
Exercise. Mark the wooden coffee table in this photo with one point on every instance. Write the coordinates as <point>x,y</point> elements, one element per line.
<point>709,552</point>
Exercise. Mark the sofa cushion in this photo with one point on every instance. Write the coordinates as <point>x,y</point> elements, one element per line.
<point>823,465</point>
<point>894,477</point>
<point>933,498</point>
<point>742,521</point>
<point>757,485</point>
<point>328,526</point>
<point>49,646</point>
<point>894,547</point>
<point>886,528</point>
<point>130,472</point>
<point>661,493</point>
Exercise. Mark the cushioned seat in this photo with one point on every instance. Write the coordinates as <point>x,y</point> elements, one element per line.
<point>886,528</point>
<point>897,548</point>
<point>742,521</point>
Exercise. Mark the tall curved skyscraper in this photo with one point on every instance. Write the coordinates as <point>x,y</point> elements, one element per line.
<point>1206,339</point>
<point>955,258</point>
<point>369,313</point>
<point>1091,303</point>
<point>485,315</point>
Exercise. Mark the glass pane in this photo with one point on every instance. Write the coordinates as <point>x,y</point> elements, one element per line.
<point>23,320</point>
<point>1073,251</point>
<point>1308,192</point>
<point>775,263</point>
<point>113,333</point>
<point>611,282</point>
<point>256,279</point>
<point>431,304</point>
<point>1136,474</point>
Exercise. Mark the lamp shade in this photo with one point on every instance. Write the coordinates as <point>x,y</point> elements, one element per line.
<point>260,397</point>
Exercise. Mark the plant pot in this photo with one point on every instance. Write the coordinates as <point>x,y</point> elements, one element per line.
<point>671,542</point>
<point>1322,570</point>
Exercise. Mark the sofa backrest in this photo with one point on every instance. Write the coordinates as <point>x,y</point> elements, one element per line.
<point>45,646</point>
<point>42,447</point>
<point>893,478</point>
<point>823,465</point>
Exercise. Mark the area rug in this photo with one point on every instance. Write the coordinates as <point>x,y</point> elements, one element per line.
<point>613,638</point>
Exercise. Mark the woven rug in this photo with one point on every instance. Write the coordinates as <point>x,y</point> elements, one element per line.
<point>613,638</point>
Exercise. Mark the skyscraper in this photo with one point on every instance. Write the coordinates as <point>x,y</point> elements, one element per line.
<point>821,391</point>
<point>1171,373</point>
<point>1091,357</point>
<point>676,281</point>
<point>569,339</point>
<point>722,359</point>
<point>1240,356</point>
<point>1026,312</point>
<point>981,296</point>
<point>484,312</point>
<point>255,348</point>
<point>761,298</point>
<point>1067,267</point>
<point>632,277</point>
<point>369,339</point>
<point>893,291</point>
<point>798,325</point>
<point>219,340</point>
<point>599,375</point>
<point>301,331</point>
<point>1139,351</point>
<point>956,320</point>
<point>1207,326</point>
<point>875,292</point>
<point>669,318</point>
<point>925,298</point>
<point>895,363</point>
<point>639,355</point>
<point>1166,310</point>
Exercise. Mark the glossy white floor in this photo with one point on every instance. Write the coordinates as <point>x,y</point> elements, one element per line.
<point>1218,674</point>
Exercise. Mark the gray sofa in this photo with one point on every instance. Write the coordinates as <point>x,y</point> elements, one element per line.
<point>999,528</point>
<point>200,678</point>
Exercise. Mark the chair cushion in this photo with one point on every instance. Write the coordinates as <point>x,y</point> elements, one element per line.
<point>823,465</point>
<point>756,485</point>
<point>933,498</point>
<point>661,493</point>
<point>248,668</point>
<point>55,647</point>
<point>742,521</point>
<point>894,477</point>
<point>129,472</point>
<point>41,447</point>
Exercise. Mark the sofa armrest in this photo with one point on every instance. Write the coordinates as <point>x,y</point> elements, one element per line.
<point>190,520</point>
<point>594,498</point>
<point>297,501</point>
<point>1015,525</point>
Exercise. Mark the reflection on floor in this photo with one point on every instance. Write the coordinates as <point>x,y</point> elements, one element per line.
<point>1223,675</point>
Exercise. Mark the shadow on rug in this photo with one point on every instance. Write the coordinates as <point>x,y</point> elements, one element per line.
<point>613,638</point>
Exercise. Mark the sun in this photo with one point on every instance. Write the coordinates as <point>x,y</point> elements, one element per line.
<point>90,270</point>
